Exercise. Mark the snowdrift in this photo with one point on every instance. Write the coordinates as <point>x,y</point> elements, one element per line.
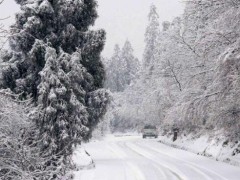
<point>214,146</point>
<point>82,159</point>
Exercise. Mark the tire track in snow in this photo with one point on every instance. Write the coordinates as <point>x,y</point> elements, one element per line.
<point>206,177</point>
<point>202,174</point>
<point>121,155</point>
<point>194,166</point>
<point>164,173</point>
<point>178,175</point>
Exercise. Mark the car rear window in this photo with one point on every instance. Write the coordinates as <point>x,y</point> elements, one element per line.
<point>150,127</point>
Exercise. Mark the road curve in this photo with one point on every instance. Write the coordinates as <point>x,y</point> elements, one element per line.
<point>134,158</point>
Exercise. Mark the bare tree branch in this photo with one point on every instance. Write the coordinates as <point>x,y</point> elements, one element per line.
<point>174,75</point>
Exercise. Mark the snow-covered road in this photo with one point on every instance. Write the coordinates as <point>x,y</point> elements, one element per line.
<point>134,158</point>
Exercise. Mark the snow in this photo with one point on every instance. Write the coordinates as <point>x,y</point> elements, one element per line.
<point>211,145</point>
<point>82,159</point>
<point>134,158</point>
<point>45,7</point>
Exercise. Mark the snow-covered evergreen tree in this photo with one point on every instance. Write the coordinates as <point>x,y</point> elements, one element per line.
<point>113,81</point>
<point>63,25</point>
<point>132,64</point>
<point>122,68</point>
<point>56,60</point>
<point>151,37</point>
<point>53,121</point>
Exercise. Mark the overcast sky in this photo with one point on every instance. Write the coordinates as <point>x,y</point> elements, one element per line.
<point>122,19</point>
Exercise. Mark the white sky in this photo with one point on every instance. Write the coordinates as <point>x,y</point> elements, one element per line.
<point>122,19</point>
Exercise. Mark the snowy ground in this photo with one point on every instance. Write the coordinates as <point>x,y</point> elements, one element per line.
<point>214,146</point>
<point>134,158</point>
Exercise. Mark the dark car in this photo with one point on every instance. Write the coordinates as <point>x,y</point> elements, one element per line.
<point>149,131</point>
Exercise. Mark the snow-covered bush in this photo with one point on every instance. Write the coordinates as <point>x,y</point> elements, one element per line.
<point>19,156</point>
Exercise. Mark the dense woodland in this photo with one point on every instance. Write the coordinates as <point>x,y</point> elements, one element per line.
<point>189,74</point>
<point>54,81</point>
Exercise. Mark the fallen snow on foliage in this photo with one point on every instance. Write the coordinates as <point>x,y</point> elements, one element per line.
<point>215,147</point>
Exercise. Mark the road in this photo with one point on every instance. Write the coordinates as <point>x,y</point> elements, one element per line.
<point>134,158</point>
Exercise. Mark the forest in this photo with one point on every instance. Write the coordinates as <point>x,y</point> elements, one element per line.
<point>188,77</point>
<point>57,91</point>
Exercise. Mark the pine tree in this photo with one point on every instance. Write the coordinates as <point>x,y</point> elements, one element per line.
<point>56,60</point>
<point>52,101</point>
<point>62,24</point>
<point>131,63</point>
<point>114,81</point>
<point>122,68</point>
<point>151,37</point>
